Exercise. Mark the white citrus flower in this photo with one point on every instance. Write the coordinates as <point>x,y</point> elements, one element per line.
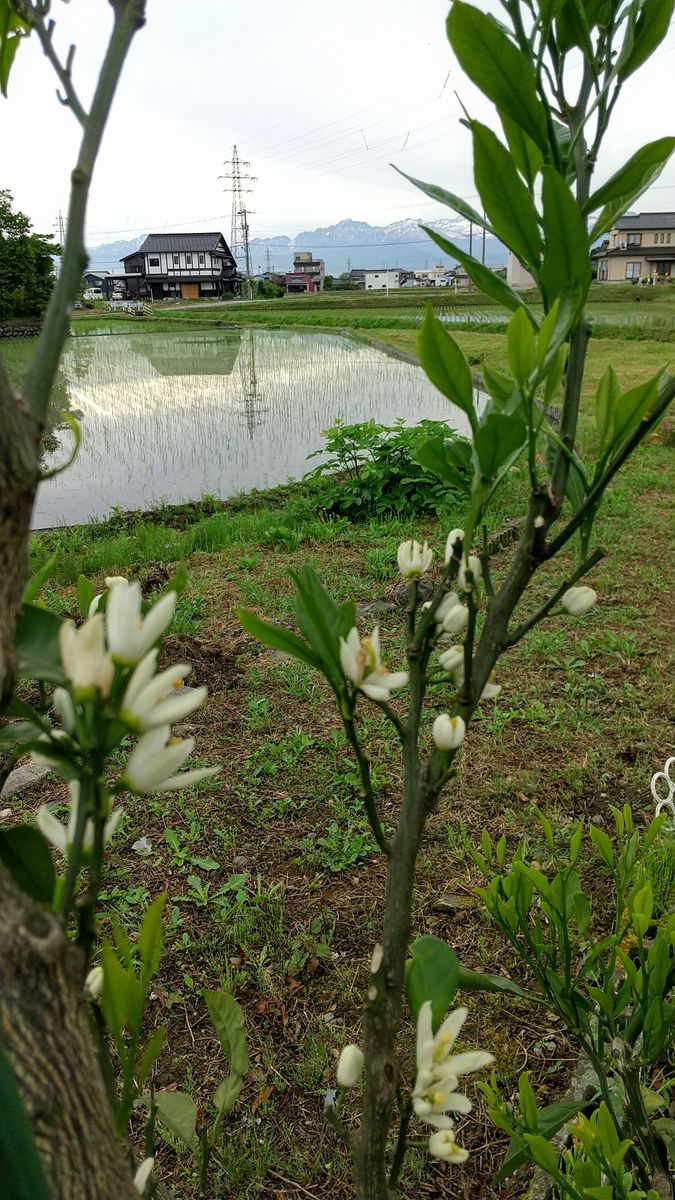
<point>471,566</point>
<point>154,759</point>
<point>456,619</point>
<point>62,836</point>
<point>361,662</point>
<point>350,1066</point>
<point>448,732</point>
<point>491,690</point>
<point>142,1175</point>
<point>130,634</point>
<point>577,600</point>
<point>93,984</point>
<point>452,660</point>
<point>450,600</point>
<point>414,559</point>
<point>64,709</point>
<point>87,665</point>
<point>443,1145</point>
<point>148,699</point>
<point>439,1071</point>
<point>455,535</point>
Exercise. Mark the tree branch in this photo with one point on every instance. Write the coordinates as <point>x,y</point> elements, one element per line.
<point>546,608</point>
<point>63,74</point>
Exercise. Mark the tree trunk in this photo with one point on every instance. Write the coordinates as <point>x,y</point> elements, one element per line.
<point>45,1031</point>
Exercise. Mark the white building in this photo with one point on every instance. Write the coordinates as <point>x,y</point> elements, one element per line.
<point>516,275</point>
<point>185,265</point>
<point>383,278</point>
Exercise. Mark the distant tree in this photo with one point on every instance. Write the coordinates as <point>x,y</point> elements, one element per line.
<point>328,282</point>
<point>266,290</point>
<point>26,264</point>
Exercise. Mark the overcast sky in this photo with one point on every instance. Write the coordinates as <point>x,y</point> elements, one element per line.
<point>319,96</point>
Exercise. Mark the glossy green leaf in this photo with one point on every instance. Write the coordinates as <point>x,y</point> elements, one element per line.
<point>485,280</point>
<point>505,198</point>
<point>178,1112</point>
<point>277,637</point>
<point>432,973</point>
<point>322,621</point>
<point>602,844</point>
<point>26,855</point>
<point>21,1170</point>
<point>555,327</point>
<point>525,153</point>
<point>500,387</point>
<point>34,584</point>
<point>566,258</point>
<point>650,29</point>
<point>632,407</point>
<point>549,1120</point>
<point>85,595</point>
<point>499,438</point>
<point>123,996</point>
<point>228,1022</point>
<point>446,365</point>
<point>520,347</point>
<point>151,937</point>
<point>621,191</point>
<point>572,29</point>
<point>227,1093</point>
<point>450,200</point>
<point>37,643</point>
<point>498,68</point>
<point>609,390</point>
<point>542,1152</point>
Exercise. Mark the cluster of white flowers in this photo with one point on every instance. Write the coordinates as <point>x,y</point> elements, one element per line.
<point>435,1092</point>
<point>110,665</point>
<point>361,662</point>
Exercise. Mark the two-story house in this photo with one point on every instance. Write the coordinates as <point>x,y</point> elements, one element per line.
<point>304,263</point>
<point>641,246</point>
<point>188,266</point>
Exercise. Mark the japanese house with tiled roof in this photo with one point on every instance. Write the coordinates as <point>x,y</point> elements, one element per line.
<point>641,246</point>
<point>186,266</point>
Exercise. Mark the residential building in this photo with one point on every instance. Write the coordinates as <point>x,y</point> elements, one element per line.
<point>98,279</point>
<point>304,263</point>
<point>639,246</point>
<point>185,266</point>
<point>357,278</point>
<point>383,277</point>
<point>517,276</point>
<point>299,281</point>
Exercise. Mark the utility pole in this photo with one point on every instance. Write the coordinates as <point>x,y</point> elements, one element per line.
<point>268,268</point>
<point>60,225</point>
<point>482,257</point>
<point>239,241</point>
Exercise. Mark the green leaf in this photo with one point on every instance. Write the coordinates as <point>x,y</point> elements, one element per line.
<point>21,1169</point>
<point>505,198</point>
<point>150,1054</point>
<point>36,581</point>
<point>550,1120</point>
<point>322,621</point>
<point>85,595</point>
<point>446,365</point>
<point>276,637</point>
<point>8,49</point>
<point>602,844</point>
<point>665,1128</point>
<point>26,855</point>
<point>476,981</point>
<point>609,390</point>
<point>228,1022</point>
<point>432,973</point>
<point>520,344</point>
<point>525,153</point>
<point>566,258</point>
<point>632,407</point>
<point>527,1102</point>
<point>150,938</point>
<point>498,439</point>
<point>542,1152</point>
<point>498,68</point>
<point>485,280</point>
<point>435,456</point>
<point>650,29</point>
<point>123,997</point>
<point>628,183</point>
<point>37,643</point>
<point>178,1112</point>
<point>227,1093</point>
<point>500,387</point>
<point>450,200</point>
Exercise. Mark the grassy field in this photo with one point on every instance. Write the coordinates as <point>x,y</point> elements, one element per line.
<point>274,887</point>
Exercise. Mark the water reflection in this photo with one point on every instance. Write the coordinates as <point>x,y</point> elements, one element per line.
<point>174,416</point>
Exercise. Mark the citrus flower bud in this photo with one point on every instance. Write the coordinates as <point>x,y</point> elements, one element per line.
<point>93,984</point>
<point>577,600</point>
<point>453,659</point>
<point>413,559</point>
<point>456,619</point>
<point>448,732</point>
<point>455,535</point>
<point>350,1066</point>
<point>443,1145</point>
<point>472,566</point>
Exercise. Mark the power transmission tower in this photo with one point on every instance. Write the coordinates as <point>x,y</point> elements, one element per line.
<point>268,259</point>
<point>60,225</point>
<point>239,244</point>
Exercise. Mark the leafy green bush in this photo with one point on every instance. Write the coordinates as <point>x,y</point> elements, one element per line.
<point>373,469</point>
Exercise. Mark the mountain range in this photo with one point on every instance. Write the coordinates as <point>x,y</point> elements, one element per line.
<point>342,246</point>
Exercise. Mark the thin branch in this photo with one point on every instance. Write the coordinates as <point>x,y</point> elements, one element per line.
<point>129,17</point>
<point>367,786</point>
<point>396,721</point>
<point>546,608</point>
<point>45,33</point>
<point>631,443</point>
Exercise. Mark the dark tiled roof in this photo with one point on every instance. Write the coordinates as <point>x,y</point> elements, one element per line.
<point>175,242</point>
<point>663,220</point>
<point>651,253</point>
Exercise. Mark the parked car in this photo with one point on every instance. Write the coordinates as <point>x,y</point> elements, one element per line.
<point>93,293</point>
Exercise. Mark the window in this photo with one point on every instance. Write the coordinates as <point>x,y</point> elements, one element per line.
<point>634,239</point>
<point>663,238</point>
<point>633,270</point>
<point>176,260</point>
<point>201,260</point>
<point>153,262</point>
<point>668,237</point>
<point>188,260</point>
